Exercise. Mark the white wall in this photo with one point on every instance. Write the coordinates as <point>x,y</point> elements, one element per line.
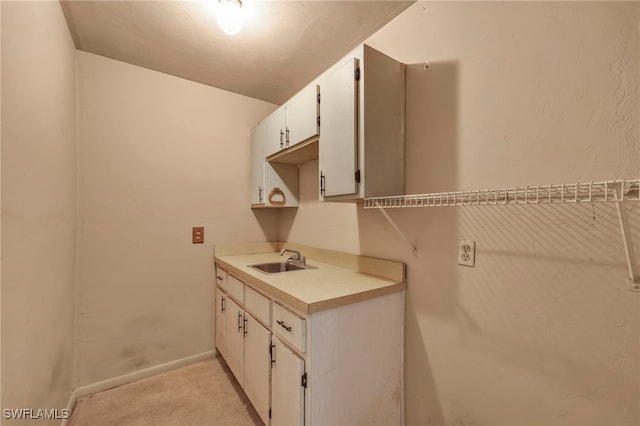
<point>158,155</point>
<point>542,330</point>
<point>39,207</point>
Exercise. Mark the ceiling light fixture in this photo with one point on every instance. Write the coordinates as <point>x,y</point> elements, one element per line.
<point>230,16</point>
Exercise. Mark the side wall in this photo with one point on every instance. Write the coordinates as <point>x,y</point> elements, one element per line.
<point>158,155</point>
<point>0,211</point>
<point>39,206</point>
<point>542,331</point>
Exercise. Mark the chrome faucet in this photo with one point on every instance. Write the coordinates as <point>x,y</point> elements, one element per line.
<point>296,258</point>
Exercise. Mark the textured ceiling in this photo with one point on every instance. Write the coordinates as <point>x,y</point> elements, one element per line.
<point>283,45</point>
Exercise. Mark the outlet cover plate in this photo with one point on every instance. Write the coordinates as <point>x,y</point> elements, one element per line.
<point>197,235</point>
<point>467,253</point>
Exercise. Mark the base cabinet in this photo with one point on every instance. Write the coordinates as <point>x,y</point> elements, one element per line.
<point>221,318</point>
<point>234,339</point>
<point>338,366</point>
<point>257,365</point>
<point>287,386</point>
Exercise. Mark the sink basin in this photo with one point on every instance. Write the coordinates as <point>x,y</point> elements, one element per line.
<point>275,267</point>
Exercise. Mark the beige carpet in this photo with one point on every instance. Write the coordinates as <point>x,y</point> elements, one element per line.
<point>201,394</point>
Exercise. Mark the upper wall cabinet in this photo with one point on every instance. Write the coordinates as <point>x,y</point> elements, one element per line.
<point>361,145</point>
<point>294,122</point>
<point>362,141</point>
<point>272,185</point>
<point>339,146</point>
<point>275,131</point>
<point>257,164</point>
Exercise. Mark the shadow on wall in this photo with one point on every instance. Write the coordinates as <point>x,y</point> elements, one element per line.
<point>288,216</point>
<point>558,275</point>
<point>431,141</point>
<point>550,302</point>
<point>543,321</point>
<point>268,221</point>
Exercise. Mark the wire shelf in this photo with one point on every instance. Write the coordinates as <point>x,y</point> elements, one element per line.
<point>616,191</point>
<point>589,192</point>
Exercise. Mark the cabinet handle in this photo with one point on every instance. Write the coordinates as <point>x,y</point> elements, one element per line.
<point>219,277</point>
<point>285,326</point>
<point>239,320</point>
<point>260,194</point>
<point>272,353</point>
<point>245,327</point>
<point>222,308</point>
<point>277,192</point>
<point>287,139</point>
<point>281,139</point>
<point>322,183</point>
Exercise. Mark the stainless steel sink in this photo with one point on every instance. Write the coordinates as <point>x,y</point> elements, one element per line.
<point>275,267</point>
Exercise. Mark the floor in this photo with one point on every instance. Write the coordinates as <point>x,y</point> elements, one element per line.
<point>201,394</point>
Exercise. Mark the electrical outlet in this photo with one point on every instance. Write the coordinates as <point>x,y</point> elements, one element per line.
<point>467,253</point>
<point>197,235</point>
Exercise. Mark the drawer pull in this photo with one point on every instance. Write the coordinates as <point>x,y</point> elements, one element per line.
<point>285,326</point>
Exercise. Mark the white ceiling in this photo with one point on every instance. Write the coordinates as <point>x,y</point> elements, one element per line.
<point>282,47</point>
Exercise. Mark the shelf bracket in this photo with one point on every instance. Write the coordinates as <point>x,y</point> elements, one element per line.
<point>414,250</point>
<point>625,230</point>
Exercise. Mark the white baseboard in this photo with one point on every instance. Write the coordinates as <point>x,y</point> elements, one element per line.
<point>103,385</point>
<point>70,404</point>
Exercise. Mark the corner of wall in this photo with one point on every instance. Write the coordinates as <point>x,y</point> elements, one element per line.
<point>78,136</point>
<point>1,74</point>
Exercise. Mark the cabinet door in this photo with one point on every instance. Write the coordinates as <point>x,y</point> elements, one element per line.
<point>302,116</point>
<point>274,132</point>
<point>233,334</point>
<point>221,310</point>
<point>339,140</point>
<point>257,164</point>
<point>257,365</point>
<point>287,391</point>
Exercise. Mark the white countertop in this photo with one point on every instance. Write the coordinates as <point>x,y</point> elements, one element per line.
<point>308,290</point>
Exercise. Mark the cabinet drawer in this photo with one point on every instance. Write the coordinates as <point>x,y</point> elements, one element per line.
<point>290,326</point>
<point>257,304</point>
<point>221,277</point>
<point>235,288</point>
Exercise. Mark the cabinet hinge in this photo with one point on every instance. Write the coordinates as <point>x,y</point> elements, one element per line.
<point>304,380</point>
<point>358,176</point>
<point>357,74</point>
